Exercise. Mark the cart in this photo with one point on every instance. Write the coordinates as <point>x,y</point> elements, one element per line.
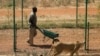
<point>50,34</point>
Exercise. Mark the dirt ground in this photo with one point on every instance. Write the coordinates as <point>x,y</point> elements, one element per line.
<point>66,35</point>
<point>59,11</point>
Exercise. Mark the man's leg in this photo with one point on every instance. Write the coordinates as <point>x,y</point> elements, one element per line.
<point>32,34</point>
<point>30,41</point>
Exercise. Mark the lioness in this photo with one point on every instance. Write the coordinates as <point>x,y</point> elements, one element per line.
<point>59,47</point>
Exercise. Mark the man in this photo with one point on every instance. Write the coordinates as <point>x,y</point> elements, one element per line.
<point>33,26</point>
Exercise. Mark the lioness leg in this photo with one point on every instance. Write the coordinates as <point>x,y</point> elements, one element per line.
<point>73,54</point>
<point>57,53</point>
<point>77,53</point>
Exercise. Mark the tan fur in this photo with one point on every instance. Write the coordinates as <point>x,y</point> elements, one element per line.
<point>59,47</point>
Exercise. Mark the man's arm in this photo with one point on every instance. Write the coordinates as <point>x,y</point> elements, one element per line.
<point>30,19</point>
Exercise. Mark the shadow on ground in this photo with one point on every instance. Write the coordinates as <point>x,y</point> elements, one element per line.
<point>42,46</point>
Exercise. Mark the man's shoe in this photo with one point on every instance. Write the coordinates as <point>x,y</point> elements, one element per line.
<point>30,43</point>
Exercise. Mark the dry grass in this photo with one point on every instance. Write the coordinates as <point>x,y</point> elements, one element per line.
<point>43,3</point>
<point>52,22</point>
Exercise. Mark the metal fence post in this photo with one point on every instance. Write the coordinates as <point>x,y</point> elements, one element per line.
<point>86,2</point>
<point>22,12</point>
<point>88,38</point>
<point>76,13</point>
<point>14,27</point>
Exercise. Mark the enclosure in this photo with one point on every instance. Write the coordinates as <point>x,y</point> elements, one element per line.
<point>66,17</point>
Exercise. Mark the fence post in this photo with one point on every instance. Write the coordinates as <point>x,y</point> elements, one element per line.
<point>22,12</point>
<point>14,27</point>
<point>88,37</point>
<point>76,13</point>
<point>86,2</point>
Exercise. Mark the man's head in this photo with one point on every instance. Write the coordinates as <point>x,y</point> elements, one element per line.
<point>34,9</point>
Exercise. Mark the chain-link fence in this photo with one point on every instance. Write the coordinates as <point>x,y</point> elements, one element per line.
<point>51,14</point>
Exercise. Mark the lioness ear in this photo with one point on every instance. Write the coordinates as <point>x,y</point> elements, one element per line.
<point>55,40</point>
<point>77,42</point>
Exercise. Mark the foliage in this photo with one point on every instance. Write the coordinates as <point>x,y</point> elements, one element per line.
<point>44,3</point>
<point>98,11</point>
<point>49,24</point>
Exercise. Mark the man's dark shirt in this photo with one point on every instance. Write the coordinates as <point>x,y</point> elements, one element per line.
<point>33,20</point>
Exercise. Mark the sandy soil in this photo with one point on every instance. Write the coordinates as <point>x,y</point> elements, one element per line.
<point>65,35</point>
<point>51,11</point>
